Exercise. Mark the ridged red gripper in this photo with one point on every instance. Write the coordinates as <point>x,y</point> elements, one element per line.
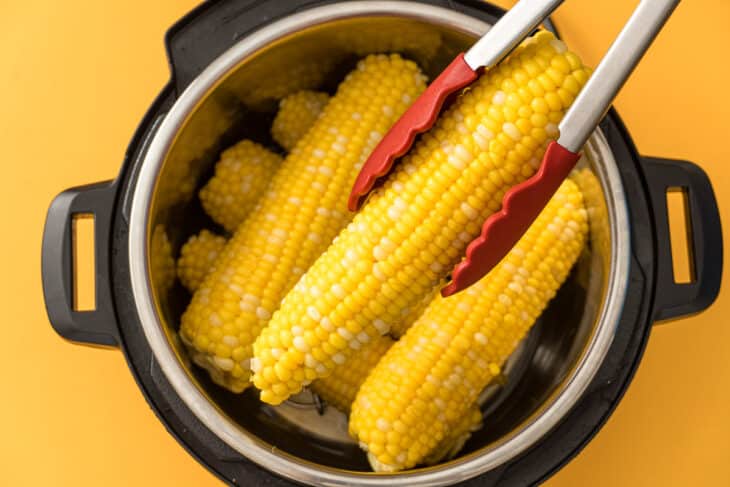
<point>521,205</point>
<point>417,119</point>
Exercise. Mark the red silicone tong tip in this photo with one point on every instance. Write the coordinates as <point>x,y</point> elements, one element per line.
<point>520,207</point>
<point>417,119</point>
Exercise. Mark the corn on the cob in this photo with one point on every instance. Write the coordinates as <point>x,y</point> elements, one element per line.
<point>298,216</point>
<point>197,256</point>
<point>453,441</point>
<point>409,315</point>
<point>241,177</point>
<point>297,113</point>
<point>430,377</point>
<point>414,229</point>
<point>200,251</point>
<point>340,389</point>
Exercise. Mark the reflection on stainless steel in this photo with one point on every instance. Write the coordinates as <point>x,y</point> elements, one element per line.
<point>196,148</point>
<point>413,40</point>
<point>162,264</point>
<point>595,203</point>
<point>296,441</point>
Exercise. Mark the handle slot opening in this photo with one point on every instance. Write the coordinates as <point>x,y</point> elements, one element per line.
<point>84,262</point>
<point>680,235</point>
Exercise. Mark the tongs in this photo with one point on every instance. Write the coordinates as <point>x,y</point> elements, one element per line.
<point>522,203</point>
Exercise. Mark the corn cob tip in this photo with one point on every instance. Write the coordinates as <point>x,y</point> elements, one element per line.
<point>241,176</point>
<point>297,112</point>
<point>197,256</point>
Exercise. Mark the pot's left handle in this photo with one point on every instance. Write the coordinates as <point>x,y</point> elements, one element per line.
<point>93,327</point>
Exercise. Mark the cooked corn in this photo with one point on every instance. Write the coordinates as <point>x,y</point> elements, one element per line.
<point>241,176</point>
<point>200,251</point>
<point>427,381</point>
<point>454,439</point>
<point>297,113</point>
<point>339,389</point>
<point>415,229</point>
<point>197,256</point>
<point>410,315</point>
<point>297,217</point>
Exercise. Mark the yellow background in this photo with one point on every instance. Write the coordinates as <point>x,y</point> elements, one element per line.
<point>76,77</point>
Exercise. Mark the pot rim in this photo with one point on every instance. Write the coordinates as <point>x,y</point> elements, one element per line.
<point>289,466</point>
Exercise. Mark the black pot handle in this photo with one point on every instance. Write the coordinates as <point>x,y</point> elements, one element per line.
<point>96,327</point>
<point>675,300</point>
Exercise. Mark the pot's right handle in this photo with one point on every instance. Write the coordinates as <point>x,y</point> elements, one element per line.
<point>676,300</point>
<point>93,327</point>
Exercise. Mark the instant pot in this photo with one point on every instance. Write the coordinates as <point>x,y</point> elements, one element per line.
<point>231,61</point>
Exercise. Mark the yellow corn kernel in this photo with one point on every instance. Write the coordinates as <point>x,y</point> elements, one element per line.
<point>410,315</point>
<point>460,343</point>
<point>200,251</point>
<point>197,256</point>
<point>415,228</point>
<point>297,112</point>
<point>298,216</point>
<point>241,177</point>
<point>340,389</point>
<point>455,438</point>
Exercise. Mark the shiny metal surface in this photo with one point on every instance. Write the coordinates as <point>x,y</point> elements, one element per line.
<point>505,35</point>
<point>559,358</point>
<point>612,72</point>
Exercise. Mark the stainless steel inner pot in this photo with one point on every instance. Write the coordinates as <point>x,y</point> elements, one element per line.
<point>235,97</point>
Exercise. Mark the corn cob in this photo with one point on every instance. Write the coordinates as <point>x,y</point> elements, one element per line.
<point>409,316</point>
<point>416,227</point>
<point>428,379</point>
<point>340,390</point>
<point>297,113</point>
<point>197,256</point>
<point>241,177</point>
<point>298,216</point>
<point>200,251</point>
<point>453,441</point>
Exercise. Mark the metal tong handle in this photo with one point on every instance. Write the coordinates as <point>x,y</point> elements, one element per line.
<point>522,203</point>
<point>614,69</point>
<point>505,35</point>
